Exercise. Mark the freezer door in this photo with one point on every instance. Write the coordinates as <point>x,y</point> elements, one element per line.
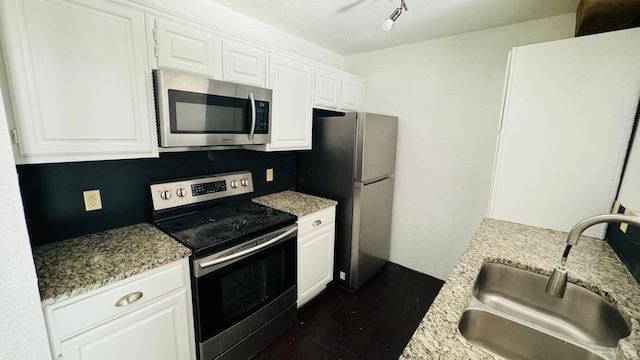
<point>371,229</point>
<point>376,146</point>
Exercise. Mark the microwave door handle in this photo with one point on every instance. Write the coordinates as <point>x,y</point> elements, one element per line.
<point>253,115</point>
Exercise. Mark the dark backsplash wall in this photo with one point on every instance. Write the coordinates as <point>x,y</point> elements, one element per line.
<point>626,245</point>
<point>54,205</point>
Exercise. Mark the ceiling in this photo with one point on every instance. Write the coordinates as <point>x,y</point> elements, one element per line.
<point>354,26</point>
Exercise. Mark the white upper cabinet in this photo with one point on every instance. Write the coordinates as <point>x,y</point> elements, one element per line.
<point>180,47</point>
<point>327,91</point>
<point>292,108</point>
<point>243,64</point>
<point>79,80</point>
<point>203,51</point>
<point>80,85</point>
<point>352,94</point>
<point>338,92</point>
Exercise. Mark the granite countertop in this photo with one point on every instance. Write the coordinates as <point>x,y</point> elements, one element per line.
<point>75,266</point>
<point>295,203</point>
<point>591,264</point>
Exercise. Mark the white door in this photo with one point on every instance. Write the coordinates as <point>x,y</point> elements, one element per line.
<point>567,116</point>
<point>157,331</point>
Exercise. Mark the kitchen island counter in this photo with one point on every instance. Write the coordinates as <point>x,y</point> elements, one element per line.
<point>591,264</point>
<point>295,203</point>
<point>72,267</point>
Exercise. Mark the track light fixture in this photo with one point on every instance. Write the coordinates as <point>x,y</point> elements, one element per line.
<point>387,24</point>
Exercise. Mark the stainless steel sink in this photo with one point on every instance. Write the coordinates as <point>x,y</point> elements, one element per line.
<point>510,314</point>
<point>514,340</point>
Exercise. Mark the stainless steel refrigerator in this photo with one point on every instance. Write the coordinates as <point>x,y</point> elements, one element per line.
<point>353,162</point>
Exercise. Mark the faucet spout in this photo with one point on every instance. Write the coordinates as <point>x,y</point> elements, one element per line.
<point>558,280</point>
<point>579,228</point>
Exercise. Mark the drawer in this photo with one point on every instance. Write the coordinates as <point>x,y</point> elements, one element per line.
<point>316,220</point>
<point>81,312</point>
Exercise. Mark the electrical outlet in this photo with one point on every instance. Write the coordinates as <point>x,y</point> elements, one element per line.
<point>92,200</point>
<point>343,275</point>
<point>625,226</point>
<point>269,175</point>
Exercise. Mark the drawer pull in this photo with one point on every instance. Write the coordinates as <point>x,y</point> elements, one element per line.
<point>317,222</point>
<point>128,299</point>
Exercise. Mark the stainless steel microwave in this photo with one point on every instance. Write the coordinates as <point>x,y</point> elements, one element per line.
<point>195,111</point>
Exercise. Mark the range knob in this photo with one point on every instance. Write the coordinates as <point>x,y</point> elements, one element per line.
<point>165,194</point>
<point>181,192</point>
<point>244,182</point>
<point>234,184</point>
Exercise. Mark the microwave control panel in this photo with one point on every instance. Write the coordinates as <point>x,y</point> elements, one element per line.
<point>262,117</point>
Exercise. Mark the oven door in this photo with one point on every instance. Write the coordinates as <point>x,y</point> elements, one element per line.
<point>239,290</point>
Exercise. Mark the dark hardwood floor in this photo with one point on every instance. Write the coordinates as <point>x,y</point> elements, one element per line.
<point>375,322</point>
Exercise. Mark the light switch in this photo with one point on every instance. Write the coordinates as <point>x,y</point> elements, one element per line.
<point>269,175</point>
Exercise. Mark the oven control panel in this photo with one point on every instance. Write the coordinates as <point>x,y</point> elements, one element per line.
<point>172,194</point>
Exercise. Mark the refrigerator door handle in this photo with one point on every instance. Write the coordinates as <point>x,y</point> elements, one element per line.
<point>374,180</point>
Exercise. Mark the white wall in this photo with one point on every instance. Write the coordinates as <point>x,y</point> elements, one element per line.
<point>22,328</point>
<point>447,93</point>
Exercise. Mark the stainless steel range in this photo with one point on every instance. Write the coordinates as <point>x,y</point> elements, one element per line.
<point>243,265</point>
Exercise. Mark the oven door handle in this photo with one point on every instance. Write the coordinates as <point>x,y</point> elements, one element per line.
<point>247,251</point>
<point>252,100</point>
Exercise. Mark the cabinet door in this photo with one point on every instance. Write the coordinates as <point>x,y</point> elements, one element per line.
<point>327,89</point>
<point>352,94</point>
<point>79,80</point>
<point>243,64</point>
<point>292,85</point>
<point>181,47</point>
<point>315,262</point>
<point>158,331</point>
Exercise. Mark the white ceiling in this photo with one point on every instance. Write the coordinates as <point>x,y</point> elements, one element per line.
<point>353,26</point>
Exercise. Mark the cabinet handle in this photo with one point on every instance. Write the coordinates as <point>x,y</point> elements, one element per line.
<point>128,299</point>
<point>317,222</point>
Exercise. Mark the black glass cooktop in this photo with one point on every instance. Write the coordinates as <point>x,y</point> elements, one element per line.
<point>216,229</point>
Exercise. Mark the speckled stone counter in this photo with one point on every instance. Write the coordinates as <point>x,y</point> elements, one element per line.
<point>295,203</point>
<point>75,266</point>
<point>591,264</point>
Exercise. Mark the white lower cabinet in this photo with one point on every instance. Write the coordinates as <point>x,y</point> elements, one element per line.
<point>151,332</point>
<point>147,316</point>
<point>316,239</point>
